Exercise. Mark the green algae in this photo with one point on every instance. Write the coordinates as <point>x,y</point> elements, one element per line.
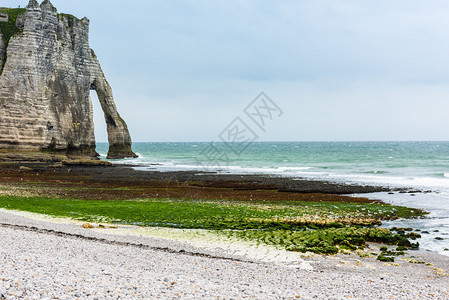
<point>294,226</point>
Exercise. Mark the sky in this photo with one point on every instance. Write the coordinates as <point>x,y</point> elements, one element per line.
<point>350,70</point>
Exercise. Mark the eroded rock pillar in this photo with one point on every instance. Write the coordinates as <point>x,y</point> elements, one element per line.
<point>118,134</point>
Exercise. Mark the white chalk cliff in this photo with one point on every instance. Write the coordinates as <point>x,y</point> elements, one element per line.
<point>47,72</point>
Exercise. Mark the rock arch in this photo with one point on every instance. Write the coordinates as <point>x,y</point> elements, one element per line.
<point>47,72</point>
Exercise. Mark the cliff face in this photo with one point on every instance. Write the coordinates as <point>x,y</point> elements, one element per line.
<point>2,50</point>
<point>48,70</point>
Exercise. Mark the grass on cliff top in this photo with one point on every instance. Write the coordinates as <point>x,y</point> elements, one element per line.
<point>318,227</point>
<point>68,16</point>
<point>9,29</point>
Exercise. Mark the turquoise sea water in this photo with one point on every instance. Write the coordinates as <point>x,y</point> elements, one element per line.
<point>414,164</point>
<point>417,165</point>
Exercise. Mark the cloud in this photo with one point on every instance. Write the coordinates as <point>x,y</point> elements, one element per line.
<point>352,69</point>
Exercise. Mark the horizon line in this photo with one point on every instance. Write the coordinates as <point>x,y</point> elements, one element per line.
<point>291,141</point>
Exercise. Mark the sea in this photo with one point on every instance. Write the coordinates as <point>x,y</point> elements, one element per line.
<point>417,166</point>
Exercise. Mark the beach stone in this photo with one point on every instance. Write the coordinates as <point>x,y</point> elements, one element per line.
<point>23,168</point>
<point>57,165</point>
<point>88,225</point>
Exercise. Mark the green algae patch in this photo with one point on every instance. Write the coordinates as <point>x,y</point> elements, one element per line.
<point>385,258</point>
<point>326,240</point>
<point>317,227</point>
<point>63,16</point>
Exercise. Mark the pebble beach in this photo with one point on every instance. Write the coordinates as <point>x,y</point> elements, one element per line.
<point>48,259</point>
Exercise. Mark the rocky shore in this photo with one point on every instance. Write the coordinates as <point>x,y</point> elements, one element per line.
<point>119,182</point>
<point>51,258</point>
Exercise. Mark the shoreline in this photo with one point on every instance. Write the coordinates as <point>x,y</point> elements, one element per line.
<point>123,182</point>
<point>182,264</point>
<point>281,273</point>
